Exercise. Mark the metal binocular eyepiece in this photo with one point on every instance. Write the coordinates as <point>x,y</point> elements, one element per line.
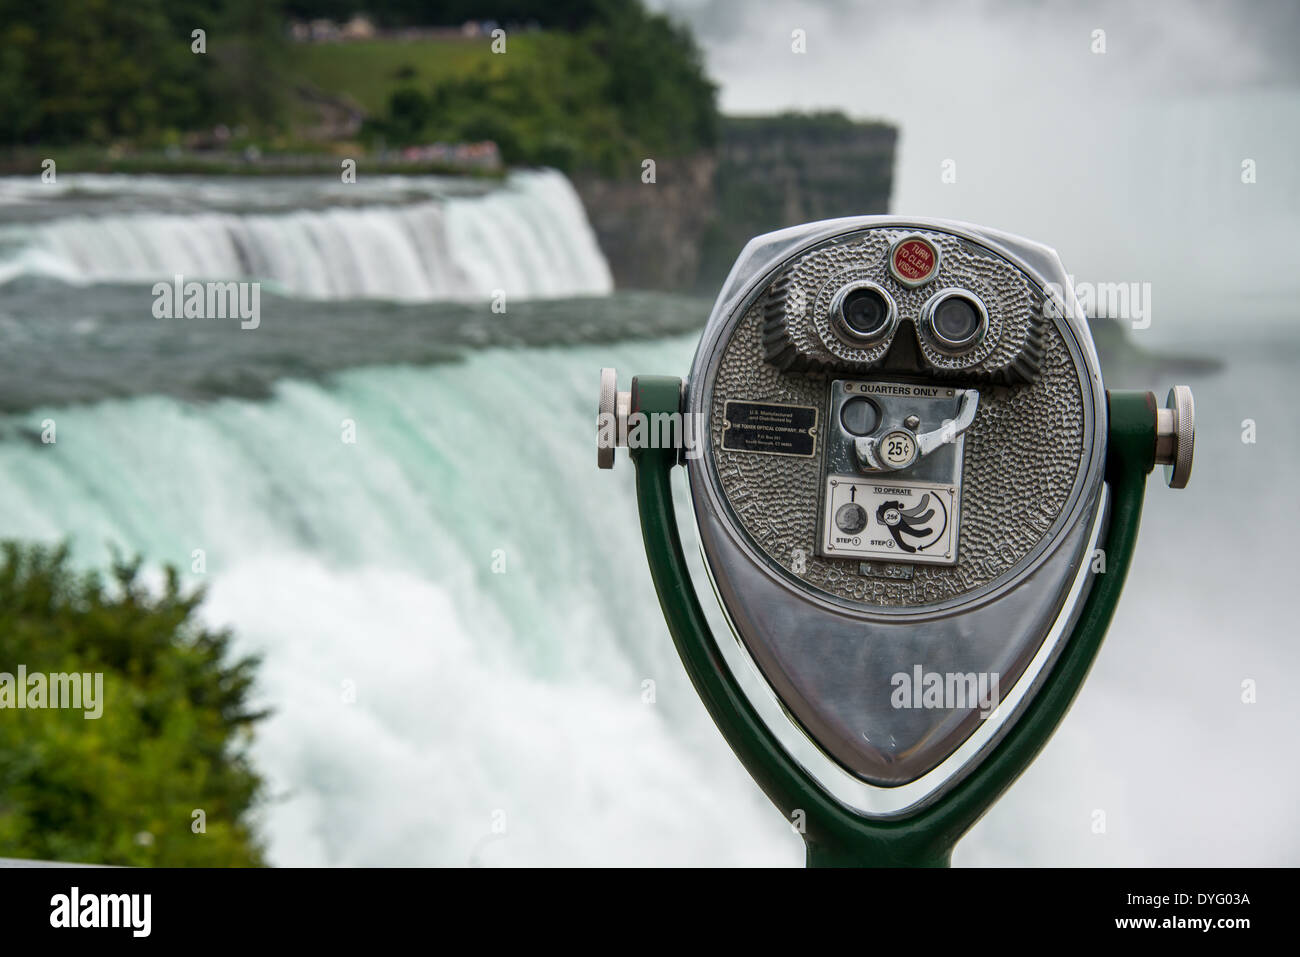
<point>906,466</point>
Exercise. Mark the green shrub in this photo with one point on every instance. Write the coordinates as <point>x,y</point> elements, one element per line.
<point>629,85</point>
<point>81,71</point>
<point>408,114</point>
<point>122,788</point>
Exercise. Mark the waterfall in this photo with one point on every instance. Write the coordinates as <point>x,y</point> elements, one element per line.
<point>527,239</point>
<point>494,625</point>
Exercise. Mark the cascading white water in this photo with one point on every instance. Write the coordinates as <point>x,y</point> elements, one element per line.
<point>458,625</point>
<point>518,697</point>
<point>495,624</point>
<point>528,239</point>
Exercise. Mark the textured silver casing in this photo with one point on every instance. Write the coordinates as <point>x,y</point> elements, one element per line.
<point>819,643</point>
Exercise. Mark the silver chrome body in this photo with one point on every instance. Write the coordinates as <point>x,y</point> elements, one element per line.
<point>1019,617</point>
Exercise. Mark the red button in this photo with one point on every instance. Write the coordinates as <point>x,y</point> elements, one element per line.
<point>914,261</point>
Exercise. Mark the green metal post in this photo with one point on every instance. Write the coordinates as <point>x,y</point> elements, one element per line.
<point>834,835</point>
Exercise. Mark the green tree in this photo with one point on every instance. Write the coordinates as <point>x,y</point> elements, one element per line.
<point>122,788</point>
<point>98,70</point>
<point>408,115</point>
<point>629,85</point>
<point>656,80</point>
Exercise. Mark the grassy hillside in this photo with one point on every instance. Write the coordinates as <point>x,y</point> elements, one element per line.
<point>370,72</point>
<point>543,101</point>
<point>605,85</point>
<point>602,98</point>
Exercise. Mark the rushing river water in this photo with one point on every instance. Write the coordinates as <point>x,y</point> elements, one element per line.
<point>464,572</point>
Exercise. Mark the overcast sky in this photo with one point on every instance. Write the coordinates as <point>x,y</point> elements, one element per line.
<point>1129,161</point>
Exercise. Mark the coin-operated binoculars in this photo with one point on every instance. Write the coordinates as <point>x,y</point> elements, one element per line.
<point>917,505</point>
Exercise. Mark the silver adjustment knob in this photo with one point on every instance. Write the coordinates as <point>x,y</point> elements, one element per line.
<point>611,418</point>
<point>1176,436</point>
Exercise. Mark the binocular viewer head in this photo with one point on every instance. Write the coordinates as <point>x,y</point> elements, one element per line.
<point>899,489</point>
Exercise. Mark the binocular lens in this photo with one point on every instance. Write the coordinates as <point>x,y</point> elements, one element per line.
<point>956,320</point>
<point>957,323</point>
<point>865,311</point>
<point>865,314</point>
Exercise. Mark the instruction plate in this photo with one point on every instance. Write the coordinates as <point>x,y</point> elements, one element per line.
<point>895,521</point>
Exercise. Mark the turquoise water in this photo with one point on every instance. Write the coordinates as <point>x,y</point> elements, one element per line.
<point>457,623</point>
<point>464,565</point>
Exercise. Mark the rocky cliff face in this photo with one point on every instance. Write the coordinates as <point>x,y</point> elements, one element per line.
<point>651,232</point>
<point>683,231</point>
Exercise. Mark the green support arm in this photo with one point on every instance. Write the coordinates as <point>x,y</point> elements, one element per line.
<point>834,835</point>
